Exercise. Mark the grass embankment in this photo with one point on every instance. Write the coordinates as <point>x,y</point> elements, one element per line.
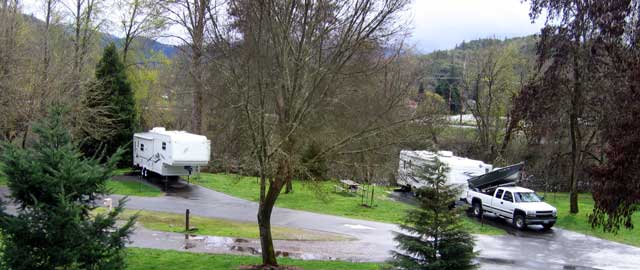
<point>132,188</point>
<point>169,222</point>
<point>321,197</point>
<point>3,178</point>
<point>580,222</point>
<point>152,259</point>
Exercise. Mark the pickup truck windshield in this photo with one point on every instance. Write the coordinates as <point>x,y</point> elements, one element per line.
<point>526,197</point>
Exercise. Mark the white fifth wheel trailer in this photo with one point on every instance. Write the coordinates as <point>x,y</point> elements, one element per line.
<point>170,153</point>
<point>460,169</point>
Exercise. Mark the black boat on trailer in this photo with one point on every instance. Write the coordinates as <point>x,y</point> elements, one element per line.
<point>499,177</point>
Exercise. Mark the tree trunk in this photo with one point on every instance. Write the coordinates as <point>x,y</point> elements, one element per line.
<point>264,215</point>
<point>197,51</point>
<point>512,124</point>
<point>264,225</point>
<point>573,182</point>
<point>289,187</point>
<point>576,113</point>
<point>128,38</point>
<point>76,50</point>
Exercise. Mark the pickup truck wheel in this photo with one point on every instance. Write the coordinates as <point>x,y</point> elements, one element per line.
<point>477,209</point>
<point>518,221</point>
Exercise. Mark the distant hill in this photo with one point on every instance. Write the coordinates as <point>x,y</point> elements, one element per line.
<point>448,64</point>
<point>169,50</point>
<point>442,71</point>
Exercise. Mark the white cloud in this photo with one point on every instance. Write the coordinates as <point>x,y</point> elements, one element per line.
<point>441,24</point>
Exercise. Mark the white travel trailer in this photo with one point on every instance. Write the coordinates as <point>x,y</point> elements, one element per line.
<point>460,168</point>
<point>169,153</point>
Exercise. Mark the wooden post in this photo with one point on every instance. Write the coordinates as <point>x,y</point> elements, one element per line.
<point>363,193</point>
<point>186,224</point>
<point>372,192</point>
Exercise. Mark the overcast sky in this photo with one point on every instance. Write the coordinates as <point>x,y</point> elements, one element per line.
<point>441,24</point>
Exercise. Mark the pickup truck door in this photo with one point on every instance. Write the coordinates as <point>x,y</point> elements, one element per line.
<point>507,204</point>
<point>496,202</point>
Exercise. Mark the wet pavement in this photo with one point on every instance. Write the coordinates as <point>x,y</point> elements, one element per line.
<point>374,239</point>
<point>305,250</point>
<point>529,249</point>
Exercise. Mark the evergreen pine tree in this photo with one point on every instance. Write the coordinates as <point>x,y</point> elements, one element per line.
<point>114,92</point>
<point>434,238</point>
<point>54,188</point>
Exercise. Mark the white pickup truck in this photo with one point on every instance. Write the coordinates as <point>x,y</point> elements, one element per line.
<point>495,192</point>
<point>518,204</point>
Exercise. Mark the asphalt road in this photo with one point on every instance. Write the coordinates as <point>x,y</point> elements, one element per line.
<point>531,249</point>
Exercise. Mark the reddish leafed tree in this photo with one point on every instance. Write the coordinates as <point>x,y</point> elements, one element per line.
<point>589,81</point>
<point>556,103</point>
<point>616,187</point>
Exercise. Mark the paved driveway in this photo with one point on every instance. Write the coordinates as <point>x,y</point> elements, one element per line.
<point>374,238</point>
<point>556,249</point>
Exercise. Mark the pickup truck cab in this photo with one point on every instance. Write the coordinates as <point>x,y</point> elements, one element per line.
<point>518,204</point>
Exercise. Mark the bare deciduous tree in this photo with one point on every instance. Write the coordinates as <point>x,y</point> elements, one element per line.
<point>85,23</point>
<point>492,82</point>
<point>192,16</point>
<point>288,62</point>
<point>139,17</point>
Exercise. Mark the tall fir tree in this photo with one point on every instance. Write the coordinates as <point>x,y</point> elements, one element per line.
<point>54,188</point>
<point>113,91</point>
<point>434,238</point>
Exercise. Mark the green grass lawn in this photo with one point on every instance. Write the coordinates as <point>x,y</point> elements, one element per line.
<point>133,188</point>
<point>123,171</point>
<point>321,197</point>
<point>580,222</point>
<point>170,222</point>
<point>130,188</point>
<point>3,178</point>
<point>152,259</point>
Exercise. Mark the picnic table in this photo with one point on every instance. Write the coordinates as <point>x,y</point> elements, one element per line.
<point>348,185</point>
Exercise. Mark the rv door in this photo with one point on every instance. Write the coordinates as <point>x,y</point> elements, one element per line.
<point>145,148</point>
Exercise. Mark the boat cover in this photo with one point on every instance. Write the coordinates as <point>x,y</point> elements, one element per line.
<point>497,177</point>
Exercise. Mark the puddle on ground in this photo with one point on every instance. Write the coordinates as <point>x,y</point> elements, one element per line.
<point>251,250</point>
<point>531,265</point>
<point>532,231</point>
<point>358,227</point>
<point>216,242</point>
<point>496,261</point>
<point>245,247</point>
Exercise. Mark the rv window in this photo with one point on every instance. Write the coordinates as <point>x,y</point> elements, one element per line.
<point>404,164</point>
<point>499,193</point>
<point>410,163</point>
<point>142,147</point>
<point>164,146</point>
